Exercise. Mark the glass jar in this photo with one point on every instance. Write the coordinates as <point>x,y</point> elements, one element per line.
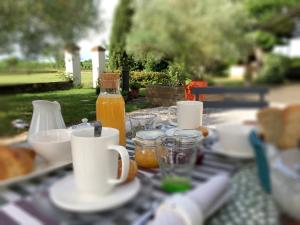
<point>110,105</point>
<point>177,157</point>
<point>193,136</point>
<point>146,144</point>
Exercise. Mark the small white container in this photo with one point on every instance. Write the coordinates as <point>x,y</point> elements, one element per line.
<point>52,145</point>
<point>285,176</point>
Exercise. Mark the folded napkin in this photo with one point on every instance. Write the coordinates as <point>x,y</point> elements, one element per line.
<point>195,206</point>
<point>262,164</point>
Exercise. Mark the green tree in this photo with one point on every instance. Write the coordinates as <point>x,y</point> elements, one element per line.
<point>42,27</point>
<point>273,19</point>
<point>195,33</point>
<point>118,57</point>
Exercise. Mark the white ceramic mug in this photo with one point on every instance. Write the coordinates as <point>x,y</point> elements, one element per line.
<point>188,114</point>
<point>95,160</point>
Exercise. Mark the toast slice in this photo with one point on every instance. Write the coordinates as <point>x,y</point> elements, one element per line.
<point>15,161</point>
<point>291,127</point>
<point>271,124</point>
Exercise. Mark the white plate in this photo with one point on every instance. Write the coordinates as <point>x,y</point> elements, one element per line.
<point>234,153</point>
<point>41,167</point>
<point>65,195</point>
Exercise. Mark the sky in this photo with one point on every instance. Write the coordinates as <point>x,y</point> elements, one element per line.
<point>106,10</point>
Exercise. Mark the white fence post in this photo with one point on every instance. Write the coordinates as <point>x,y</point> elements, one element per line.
<point>72,63</point>
<point>98,61</point>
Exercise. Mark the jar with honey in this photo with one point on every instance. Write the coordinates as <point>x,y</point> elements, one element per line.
<point>146,144</point>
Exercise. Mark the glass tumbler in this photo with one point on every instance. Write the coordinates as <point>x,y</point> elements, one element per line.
<point>176,157</point>
<point>141,121</point>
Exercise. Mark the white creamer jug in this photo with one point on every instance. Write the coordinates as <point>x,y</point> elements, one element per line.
<point>46,116</point>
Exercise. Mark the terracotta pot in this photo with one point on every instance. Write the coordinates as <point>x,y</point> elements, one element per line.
<point>194,84</point>
<point>135,93</point>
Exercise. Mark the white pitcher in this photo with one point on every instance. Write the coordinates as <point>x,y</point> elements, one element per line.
<point>46,116</point>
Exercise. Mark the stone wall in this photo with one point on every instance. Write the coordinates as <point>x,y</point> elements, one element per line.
<point>158,95</point>
<point>33,88</point>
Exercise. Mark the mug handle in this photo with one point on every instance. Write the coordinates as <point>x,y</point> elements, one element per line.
<point>171,110</point>
<point>125,163</point>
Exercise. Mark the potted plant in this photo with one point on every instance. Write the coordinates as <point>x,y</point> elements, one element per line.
<point>135,89</point>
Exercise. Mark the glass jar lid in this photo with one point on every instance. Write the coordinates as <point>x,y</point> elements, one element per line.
<point>148,137</point>
<point>149,134</point>
<point>188,136</point>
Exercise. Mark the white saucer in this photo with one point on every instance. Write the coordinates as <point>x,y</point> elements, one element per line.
<point>65,195</point>
<point>240,153</point>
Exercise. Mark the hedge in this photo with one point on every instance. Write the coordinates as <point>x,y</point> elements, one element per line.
<point>274,69</point>
<point>148,78</point>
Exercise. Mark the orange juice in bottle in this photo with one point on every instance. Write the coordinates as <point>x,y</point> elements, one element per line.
<point>110,105</point>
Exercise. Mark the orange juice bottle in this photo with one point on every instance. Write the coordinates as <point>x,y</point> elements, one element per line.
<point>110,105</point>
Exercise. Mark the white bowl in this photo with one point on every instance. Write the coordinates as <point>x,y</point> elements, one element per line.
<point>52,145</point>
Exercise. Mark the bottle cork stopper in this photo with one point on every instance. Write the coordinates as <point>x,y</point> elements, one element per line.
<point>109,80</point>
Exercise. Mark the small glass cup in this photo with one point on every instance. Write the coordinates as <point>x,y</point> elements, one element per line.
<point>141,121</point>
<point>176,158</point>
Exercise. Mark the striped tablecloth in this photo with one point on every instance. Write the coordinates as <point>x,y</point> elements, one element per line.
<point>28,202</point>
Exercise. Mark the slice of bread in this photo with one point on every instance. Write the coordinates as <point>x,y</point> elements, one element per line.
<point>291,127</point>
<point>15,161</point>
<point>270,122</point>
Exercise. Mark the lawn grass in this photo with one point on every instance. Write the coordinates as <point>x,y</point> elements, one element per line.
<point>75,103</point>
<point>30,78</point>
<point>86,78</point>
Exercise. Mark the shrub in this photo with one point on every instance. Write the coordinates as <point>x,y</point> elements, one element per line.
<point>134,85</point>
<point>274,69</point>
<point>293,72</point>
<point>147,78</point>
<point>265,40</point>
<point>177,74</point>
<point>157,65</point>
<point>86,65</point>
<point>14,65</point>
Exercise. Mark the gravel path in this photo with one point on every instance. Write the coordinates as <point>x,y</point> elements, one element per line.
<point>285,94</point>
